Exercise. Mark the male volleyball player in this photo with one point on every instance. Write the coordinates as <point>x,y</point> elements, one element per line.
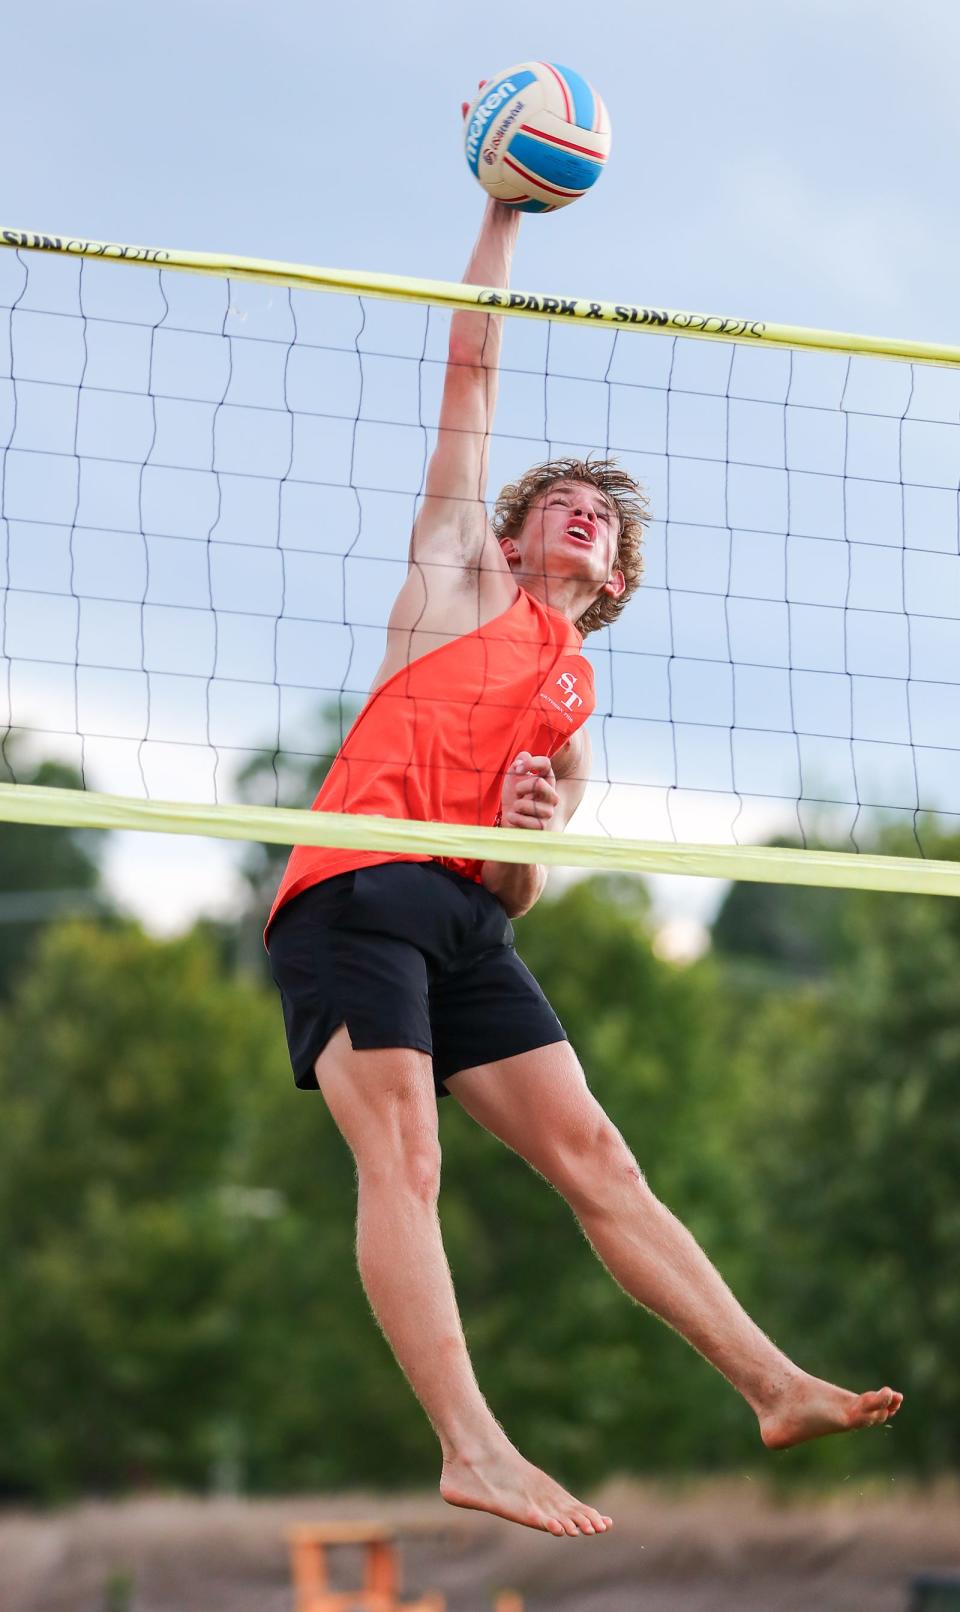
<point>398,974</point>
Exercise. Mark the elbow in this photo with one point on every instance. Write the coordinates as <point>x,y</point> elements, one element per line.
<point>524,899</point>
<point>467,355</point>
<point>473,343</point>
<point>517,887</point>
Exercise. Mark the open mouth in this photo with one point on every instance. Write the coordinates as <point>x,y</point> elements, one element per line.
<point>580,535</point>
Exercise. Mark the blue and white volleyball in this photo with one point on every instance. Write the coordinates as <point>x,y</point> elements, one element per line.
<point>537,136</point>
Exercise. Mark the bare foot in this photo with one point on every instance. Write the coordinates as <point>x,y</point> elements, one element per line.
<point>498,1479</point>
<point>809,1408</point>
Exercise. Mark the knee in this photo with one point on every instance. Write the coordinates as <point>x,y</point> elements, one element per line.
<point>418,1174</point>
<point>598,1169</point>
<point>412,1172</point>
<point>400,1153</point>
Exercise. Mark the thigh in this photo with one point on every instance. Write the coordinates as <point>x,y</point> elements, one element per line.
<point>384,1105</point>
<point>540,1105</point>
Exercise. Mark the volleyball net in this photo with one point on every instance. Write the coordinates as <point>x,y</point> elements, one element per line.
<point>207,485</point>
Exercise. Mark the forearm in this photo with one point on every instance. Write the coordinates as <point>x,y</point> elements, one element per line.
<point>531,798</point>
<point>475,337</point>
<point>516,885</point>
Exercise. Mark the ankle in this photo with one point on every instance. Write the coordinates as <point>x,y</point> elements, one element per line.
<point>472,1447</point>
<point>775,1390</point>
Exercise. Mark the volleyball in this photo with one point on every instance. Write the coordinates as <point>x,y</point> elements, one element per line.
<point>537,136</point>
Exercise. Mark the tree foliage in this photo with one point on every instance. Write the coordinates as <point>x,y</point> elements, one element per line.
<point>852,1136</point>
<point>121,1061</point>
<point>44,872</point>
<point>181,1305</point>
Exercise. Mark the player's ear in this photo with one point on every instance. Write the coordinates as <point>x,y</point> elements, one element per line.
<point>509,550</point>
<point>616,585</point>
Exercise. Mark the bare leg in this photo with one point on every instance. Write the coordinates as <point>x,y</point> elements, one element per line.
<point>385,1107</point>
<point>644,1246</point>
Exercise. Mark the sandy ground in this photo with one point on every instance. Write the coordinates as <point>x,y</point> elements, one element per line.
<point>727,1547</point>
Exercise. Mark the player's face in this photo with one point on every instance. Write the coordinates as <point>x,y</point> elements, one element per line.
<point>571,530</point>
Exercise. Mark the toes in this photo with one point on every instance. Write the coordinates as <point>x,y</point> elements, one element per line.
<point>562,1527</point>
<point>578,1519</point>
<point>599,1523</point>
<point>876,1401</point>
<point>877,1407</point>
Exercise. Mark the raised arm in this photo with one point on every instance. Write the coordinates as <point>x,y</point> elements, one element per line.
<point>457,574</point>
<point>452,525</point>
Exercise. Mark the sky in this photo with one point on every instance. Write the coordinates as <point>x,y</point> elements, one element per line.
<point>791,163</point>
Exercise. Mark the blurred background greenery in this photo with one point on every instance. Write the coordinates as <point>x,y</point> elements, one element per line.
<point>180,1306</point>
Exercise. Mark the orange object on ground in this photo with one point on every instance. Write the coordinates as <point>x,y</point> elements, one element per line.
<point>380,1591</point>
<point>434,741</point>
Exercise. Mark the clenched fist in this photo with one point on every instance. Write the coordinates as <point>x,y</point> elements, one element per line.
<point>529,798</point>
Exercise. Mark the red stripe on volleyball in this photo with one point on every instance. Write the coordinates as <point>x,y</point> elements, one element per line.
<point>600,113</point>
<point>563,87</point>
<point>540,183</point>
<point>568,145</point>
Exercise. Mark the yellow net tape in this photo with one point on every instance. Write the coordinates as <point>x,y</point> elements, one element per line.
<point>533,305</point>
<point>74,808</point>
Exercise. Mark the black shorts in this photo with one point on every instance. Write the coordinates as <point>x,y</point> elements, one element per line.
<point>405,954</point>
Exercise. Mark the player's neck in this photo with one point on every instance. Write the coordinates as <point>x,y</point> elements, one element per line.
<point>569,596</point>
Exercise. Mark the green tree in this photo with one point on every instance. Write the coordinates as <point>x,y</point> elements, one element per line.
<point>773,931</point>
<point>847,1038</point>
<point>45,872</point>
<point>853,1138</point>
<point>180,1293</point>
<point>180,1297</point>
<point>123,1064</point>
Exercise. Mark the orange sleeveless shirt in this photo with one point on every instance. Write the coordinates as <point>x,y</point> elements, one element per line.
<point>434,741</point>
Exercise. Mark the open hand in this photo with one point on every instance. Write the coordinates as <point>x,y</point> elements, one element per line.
<point>529,798</point>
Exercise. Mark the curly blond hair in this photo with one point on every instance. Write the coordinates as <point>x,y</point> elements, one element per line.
<point>628,499</point>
